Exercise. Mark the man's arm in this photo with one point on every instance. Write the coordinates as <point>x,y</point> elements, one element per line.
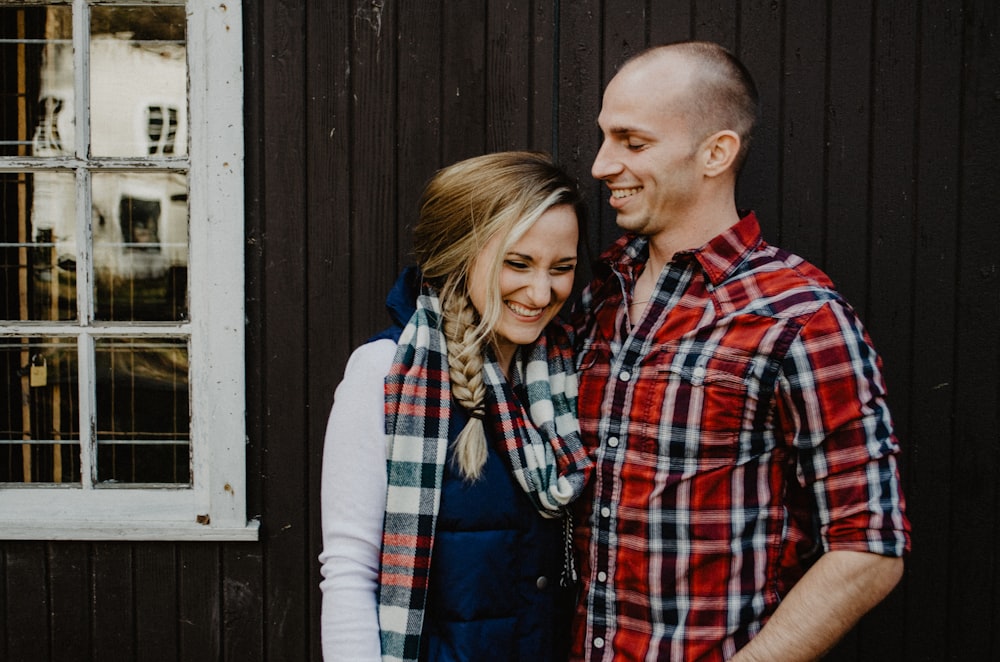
<point>823,606</point>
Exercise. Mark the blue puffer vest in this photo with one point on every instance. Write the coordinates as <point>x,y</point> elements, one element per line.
<point>494,583</point>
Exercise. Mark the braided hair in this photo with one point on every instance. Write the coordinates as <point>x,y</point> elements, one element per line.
<point>463,208</point>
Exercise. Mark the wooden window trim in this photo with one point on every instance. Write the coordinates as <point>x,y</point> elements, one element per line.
<point>214,506</point>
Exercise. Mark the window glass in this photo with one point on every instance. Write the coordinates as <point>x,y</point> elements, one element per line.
<point>143,430</point>
<point>31,113</point>
<point>138,81</point>
<point>39,433</point>
<point>38,247</point>
<point>140,246</point>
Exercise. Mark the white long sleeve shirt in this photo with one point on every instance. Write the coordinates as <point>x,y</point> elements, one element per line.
<point>353,505</point>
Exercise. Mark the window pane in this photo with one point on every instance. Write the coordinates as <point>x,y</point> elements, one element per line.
<point>39,432</point>
<point>143,418</point>
<point>37,246</point>
<point>138,81</point>
<point>36,106</point>
<point>140,246</point>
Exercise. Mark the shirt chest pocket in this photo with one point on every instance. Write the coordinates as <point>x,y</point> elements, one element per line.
<point>700,402</point>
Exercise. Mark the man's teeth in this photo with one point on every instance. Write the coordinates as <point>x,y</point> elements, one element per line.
<point>625,192</point>
<point>524,312</point>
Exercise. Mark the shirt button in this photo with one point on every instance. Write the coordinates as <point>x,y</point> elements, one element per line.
<point>624,375</point>
<point>613,442</point>
<point>698,372</point>
<point>542,582</point>
<point>602,576</point>
<point>598,642</point>
<point>605,512</point>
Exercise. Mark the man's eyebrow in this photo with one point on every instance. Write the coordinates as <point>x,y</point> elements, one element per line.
<point>622,130</point>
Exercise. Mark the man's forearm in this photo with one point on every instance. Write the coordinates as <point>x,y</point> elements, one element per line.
<point>823,606</point>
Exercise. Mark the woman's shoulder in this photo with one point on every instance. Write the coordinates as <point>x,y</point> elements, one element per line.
<point>370,361</point>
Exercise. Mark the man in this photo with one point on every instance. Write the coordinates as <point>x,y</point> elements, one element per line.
<point>745,503</point>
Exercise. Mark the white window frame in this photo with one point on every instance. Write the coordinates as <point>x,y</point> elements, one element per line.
<point>213,507</point>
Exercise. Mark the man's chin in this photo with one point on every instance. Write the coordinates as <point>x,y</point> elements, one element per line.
<point>629,222</point>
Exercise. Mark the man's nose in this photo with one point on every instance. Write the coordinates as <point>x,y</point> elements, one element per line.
<point>605,164</point>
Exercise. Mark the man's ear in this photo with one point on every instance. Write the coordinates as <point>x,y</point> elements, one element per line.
<point>720,151</point>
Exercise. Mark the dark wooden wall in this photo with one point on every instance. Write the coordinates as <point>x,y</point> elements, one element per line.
<point>877,159</point>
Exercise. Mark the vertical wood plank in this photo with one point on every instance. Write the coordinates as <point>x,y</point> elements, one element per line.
<point>670,21</point>
<point>582,77</point>
<point>507,75</point>
<point>243,589</point>
<point>802,127</point>
<point>847,223</point>
<point>156,602</point>
<point>253,123</point>
<point>328,302</point>
<point>239,574</point>
<point>848,157</point>
<point>933,381</point>
<point>285,368</point>
<point>463,80</point>
<point>716,20</point>
<point>199,599</point>
<point>69,594</point>
<point>373,157</point>
<point>759,48</point>
<point>27,602</point>
<point>420,121</point>
<point>892,247</point>
<point>972,567</point>
<point>543,132</point>
<point>625,30</point>
<point>113,601</point>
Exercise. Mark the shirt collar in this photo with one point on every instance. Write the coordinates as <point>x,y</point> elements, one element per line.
<point>719,257</point>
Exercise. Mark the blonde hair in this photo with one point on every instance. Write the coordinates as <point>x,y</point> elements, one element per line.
<point>465,206</point>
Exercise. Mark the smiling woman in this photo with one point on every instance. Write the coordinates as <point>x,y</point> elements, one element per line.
<point>453,441</point>
<point>535,278</point>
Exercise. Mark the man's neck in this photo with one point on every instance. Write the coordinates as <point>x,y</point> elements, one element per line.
<point>692,231</point>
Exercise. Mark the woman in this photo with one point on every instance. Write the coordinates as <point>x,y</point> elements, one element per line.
<point>444,527</point>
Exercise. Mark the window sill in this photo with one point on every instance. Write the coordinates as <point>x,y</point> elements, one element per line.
<point>112,531</point>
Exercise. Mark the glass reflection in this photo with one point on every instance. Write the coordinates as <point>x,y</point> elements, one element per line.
<point>143,415</point>
<point>36,110</point>
<point>140,231</point>
<point>138,81</point>
<point>38,246</point>
<point>39,435</point>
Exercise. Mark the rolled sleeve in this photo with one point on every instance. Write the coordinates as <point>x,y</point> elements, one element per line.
<point>835,416</point>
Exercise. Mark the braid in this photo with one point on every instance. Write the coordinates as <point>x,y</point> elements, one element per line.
<point>465,368</point>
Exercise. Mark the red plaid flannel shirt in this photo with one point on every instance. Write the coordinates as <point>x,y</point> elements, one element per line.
<point>737,432</point>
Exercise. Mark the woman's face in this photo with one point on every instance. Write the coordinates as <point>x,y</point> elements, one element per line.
<point>536,278</point>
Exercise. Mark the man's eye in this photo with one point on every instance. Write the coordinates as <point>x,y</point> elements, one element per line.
<point>635,147</point>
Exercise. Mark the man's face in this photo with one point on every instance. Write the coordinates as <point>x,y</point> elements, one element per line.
<point>649,157</point>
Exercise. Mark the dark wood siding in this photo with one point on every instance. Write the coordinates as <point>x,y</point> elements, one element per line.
<point>877,159</point>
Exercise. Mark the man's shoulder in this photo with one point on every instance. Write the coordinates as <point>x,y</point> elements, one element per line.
<point>777,282</point>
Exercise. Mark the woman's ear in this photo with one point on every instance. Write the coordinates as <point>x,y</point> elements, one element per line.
<point>720,150</point>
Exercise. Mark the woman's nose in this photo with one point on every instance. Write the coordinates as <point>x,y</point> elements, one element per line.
<point>540,289</point>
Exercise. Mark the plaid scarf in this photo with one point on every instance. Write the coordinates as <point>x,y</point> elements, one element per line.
<point>541,446</point>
